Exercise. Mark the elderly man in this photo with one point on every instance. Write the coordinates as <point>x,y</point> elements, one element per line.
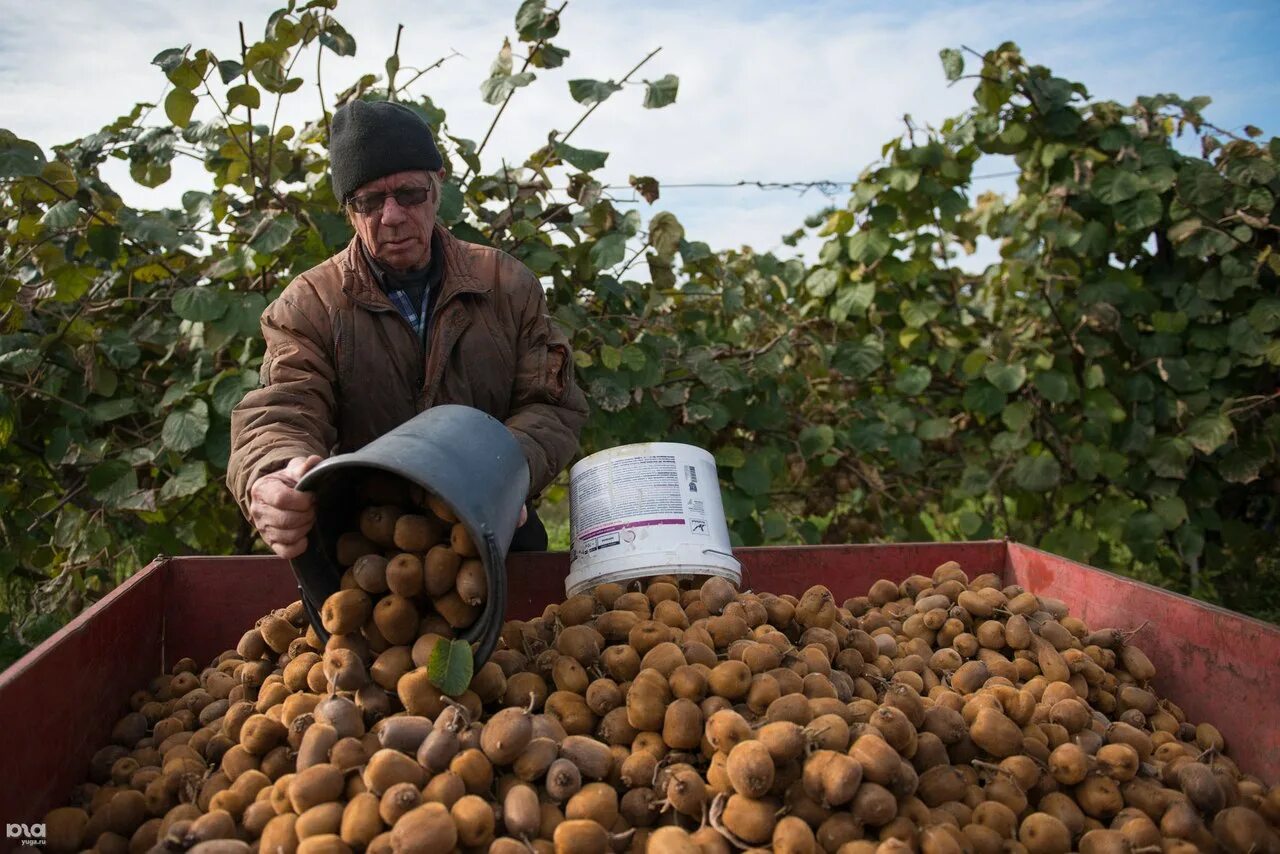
<point>405,317</point>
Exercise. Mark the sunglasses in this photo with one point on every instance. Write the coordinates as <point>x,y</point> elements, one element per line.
<point>406,197</point>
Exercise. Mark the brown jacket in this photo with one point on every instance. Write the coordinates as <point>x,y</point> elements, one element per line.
<point>343,367</point>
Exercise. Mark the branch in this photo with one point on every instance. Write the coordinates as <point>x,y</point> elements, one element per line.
<point>593,107</point>
<point>432,67</point>
<point>244,67</point>
<point>391,76</point>
<point>524,67</point>
<point>324,111</point>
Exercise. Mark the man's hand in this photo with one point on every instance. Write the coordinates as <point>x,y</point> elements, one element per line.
<point>524,515</point>
<point>281,513</point>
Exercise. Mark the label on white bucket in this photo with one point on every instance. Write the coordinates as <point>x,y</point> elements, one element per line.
<point>647,509</point>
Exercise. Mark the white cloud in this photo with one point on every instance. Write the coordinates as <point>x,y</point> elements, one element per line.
<point>772,92</point>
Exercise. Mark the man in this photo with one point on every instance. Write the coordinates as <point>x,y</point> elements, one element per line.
<point>404,318</point>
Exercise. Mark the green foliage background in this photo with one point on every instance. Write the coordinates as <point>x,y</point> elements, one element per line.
<point>1107,390</point>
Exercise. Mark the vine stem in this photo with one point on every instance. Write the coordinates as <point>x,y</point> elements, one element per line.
<point>244,68</point>
<point>391,75</point>
<point>324,111</point>
<point>594,106</point>
<point>528,60</point>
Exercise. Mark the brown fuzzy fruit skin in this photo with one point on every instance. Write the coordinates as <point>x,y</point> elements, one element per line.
<point>672,840</point>
<point>751,769</point>
<point>1043,834</point>
<point>580,836</point>
<point>935,714</point>
<point>506,735</point>
<point>427,829</point>
<point>749,819</point>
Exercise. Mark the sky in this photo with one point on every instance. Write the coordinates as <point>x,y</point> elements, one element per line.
<point>769,91</point>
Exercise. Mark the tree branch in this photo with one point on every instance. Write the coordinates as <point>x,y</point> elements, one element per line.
<point>524,67</point>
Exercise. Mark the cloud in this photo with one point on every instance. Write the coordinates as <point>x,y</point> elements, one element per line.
<point>774,92</point>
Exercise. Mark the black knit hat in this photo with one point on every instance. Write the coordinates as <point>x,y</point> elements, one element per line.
<point>372,139</point>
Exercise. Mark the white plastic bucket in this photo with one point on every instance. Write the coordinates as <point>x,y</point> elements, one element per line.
<point>647,509</point>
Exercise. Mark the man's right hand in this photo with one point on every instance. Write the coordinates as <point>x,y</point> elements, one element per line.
<point>281,513</point>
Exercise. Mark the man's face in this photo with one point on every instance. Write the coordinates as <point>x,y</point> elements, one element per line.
<point>398,236</point>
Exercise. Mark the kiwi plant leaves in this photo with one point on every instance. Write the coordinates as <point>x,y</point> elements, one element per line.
<point>1106,386</point>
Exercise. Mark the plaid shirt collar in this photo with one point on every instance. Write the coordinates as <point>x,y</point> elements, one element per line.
<point>413,293</point>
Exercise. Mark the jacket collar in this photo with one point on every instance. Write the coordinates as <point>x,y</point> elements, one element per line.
<point>458,275</point>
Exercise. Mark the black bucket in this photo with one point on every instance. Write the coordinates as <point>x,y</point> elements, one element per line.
<point>467,458</point>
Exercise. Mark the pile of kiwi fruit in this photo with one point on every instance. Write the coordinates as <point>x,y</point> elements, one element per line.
<point>410,568</point>
<point>940,714</point>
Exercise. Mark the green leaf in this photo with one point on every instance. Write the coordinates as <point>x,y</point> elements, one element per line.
<point>1113,186</point>
<point>1141,212</point>
<point>584,159</point>
<point>188,480</point>
<point>114,483</point>
<point>1086,461</point>
<point>853,300</point>
<point>110,410</point>
<point>185,429</point>
<point>451,667</point>
<point>451,203</point>
<point>1240,466</point>
<point>1007,378</point>
<point>952,63</point>
<point>661,92</point>
<point>913,379</point>
<point>335,37</point>
<point>533,22</point>
<point>1264,316</point>
<point>665,234</point>
<point>1143,529</point>
<point>609,250</point>
<point>230,389</point>
<point>20,360</point>
<point>273,233</point>
<point>244,313</point>
<point>184,75</point>
<point>822,282</point>
<point>753,476</point>
<point>592,91</point>
<point>228,70</point>
<point>19,158</point>
<point>730,457</point>
<point>816,440</point>
<point>869,246</point>
<point>1018,415</point>
<point>610,357</point>
<point>62,215</point>
<point>178,105</point>
<point>1169,456</point>
<point>633,358</point>
<point>244,95</point>
<point>1039,473</point>
<point>170,58</point>
<point>1209,432</point>
<point>200,304</point>
<point>1172,511</point>
<point>495,90</point>
<point>984,399</point>
<point>857,360</point>
<point>548,55</point>
<point>917,314</point>
<point>935,429</point>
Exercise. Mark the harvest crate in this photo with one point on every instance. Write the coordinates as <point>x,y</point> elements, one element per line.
<point>58,704</point>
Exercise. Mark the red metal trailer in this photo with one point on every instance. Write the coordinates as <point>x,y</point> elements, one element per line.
<point>58,704</point>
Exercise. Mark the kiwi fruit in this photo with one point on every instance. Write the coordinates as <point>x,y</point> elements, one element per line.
<point>936,714</point>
